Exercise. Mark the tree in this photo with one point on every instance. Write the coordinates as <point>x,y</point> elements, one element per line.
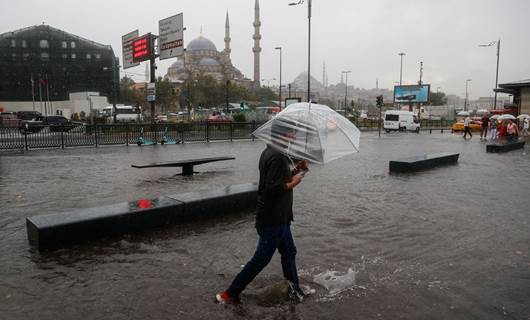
<point>130,96</point>
<point>437,98</point>
<point>166,95</point>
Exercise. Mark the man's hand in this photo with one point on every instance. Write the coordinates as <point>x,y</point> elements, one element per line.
<point>302,165</point>
<point>295,180</point>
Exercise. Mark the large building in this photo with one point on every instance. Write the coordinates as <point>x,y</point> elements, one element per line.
<point>202,58</point>
<point>44,63</point>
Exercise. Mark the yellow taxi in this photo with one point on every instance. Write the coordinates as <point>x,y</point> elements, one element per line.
<point>475,125</point>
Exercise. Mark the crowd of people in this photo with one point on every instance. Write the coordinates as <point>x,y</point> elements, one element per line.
<point>492,128</point>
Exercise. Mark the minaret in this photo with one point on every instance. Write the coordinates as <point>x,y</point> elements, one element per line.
<point>256,49</point>
<point>227,36</point>
<point>324,74</point>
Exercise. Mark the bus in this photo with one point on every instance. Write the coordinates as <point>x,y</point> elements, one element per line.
<point>123,113</point>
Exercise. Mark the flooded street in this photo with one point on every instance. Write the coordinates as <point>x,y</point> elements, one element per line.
<point>449,243</point>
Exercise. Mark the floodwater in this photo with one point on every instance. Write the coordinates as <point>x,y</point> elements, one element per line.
<point>449,243</point>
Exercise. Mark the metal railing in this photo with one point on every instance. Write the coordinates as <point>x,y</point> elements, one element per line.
<point>43,137</point>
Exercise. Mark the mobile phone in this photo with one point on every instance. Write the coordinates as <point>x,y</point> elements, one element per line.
<point>302,173</point>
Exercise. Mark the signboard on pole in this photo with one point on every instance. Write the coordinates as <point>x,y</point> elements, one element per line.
<point>126,44</point>
<point>171,37</point>
<point>412,94</point>
<point>151,91</point>
<point>142,48</point>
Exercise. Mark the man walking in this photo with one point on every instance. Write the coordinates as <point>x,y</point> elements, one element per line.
<point>526,123</point>
<point>484,128</point>
<point>467,129</point>
<point>273,217</point>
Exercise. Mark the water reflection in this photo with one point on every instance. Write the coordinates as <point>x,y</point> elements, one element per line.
<point>451,241</point>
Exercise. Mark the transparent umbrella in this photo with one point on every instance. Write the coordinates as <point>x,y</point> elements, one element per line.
<point>310,132</point>
<point>507,117</point>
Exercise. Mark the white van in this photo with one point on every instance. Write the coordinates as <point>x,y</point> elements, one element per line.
<point>401,121</point>
<point>123,113</point>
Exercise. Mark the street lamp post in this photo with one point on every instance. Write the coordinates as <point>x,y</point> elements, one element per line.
<point>498,43</point>
<point>401,54</point>
<point>280,94</point>
<point>227,97</point>
<point>346,89</point>
<point>466,102</point>
<point>309,4</point>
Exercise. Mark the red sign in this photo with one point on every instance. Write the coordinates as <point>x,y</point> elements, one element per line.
<point>141,48</point>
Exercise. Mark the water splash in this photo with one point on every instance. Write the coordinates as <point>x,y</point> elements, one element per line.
<point>336,282</point>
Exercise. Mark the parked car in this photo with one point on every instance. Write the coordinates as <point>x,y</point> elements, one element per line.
<point>29,115</point>
<point>219,118</point>
<point>55,123</point>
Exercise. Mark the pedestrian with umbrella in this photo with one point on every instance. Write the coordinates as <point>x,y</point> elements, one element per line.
<point>301,132</point>
<point>467,129</point>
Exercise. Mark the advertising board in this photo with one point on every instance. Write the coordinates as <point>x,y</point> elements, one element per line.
<point>412,93</point>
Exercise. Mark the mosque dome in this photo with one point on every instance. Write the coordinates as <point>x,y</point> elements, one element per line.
<point>178,65</point>
<point>208,62</point>
<point>201,43</point>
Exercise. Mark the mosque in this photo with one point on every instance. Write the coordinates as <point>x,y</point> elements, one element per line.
<point>202,58</point>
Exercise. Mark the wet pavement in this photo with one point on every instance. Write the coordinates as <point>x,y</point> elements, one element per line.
<point>449,243</point>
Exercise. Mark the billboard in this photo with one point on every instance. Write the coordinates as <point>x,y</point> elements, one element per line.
<point>171,37</point>
<point>412,94</point>
<point>126,44</point>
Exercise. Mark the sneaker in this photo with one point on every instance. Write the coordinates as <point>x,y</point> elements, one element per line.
<point>295,293</point>
<point>225,298</point>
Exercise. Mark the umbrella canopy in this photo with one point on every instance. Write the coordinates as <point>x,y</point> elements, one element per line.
<point>506,117</point>
<point>312,132</point>
<point>482,111</point>
<point>463,113</point>
<point>523,116</point>
<point>495,116</point>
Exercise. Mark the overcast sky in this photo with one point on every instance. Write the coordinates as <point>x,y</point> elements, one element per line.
<point>362,36</point>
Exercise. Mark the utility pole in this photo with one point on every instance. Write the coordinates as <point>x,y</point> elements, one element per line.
<point>466,102</point>
<point>346,90</point>
<point>33,91</point>
<point>280,91</point>
<point>421,72</point>
<point>401,54</point>
<point>227,97</point>
<point>497,74</point>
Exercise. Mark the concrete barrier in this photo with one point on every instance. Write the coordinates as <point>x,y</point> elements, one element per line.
<point>504,147</point>
<point>424,162</point>
<point>58,230</point>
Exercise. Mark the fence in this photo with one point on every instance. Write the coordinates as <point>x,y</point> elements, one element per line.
<point>42,137</point>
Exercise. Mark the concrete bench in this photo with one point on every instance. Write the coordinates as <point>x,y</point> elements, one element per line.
<point>187,165</point>
<point>57,230</point>
<point>504,146</point>
<point>424,162</point>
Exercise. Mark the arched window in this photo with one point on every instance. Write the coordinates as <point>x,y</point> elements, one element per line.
<point>44,56</point>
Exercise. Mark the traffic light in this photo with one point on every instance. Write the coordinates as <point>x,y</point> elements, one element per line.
<point>380,102</point>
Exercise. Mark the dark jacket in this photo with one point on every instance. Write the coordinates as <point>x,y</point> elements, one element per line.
<point>275,202</point>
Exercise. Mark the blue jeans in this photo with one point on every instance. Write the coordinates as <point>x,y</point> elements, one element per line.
<point>270,239</point>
